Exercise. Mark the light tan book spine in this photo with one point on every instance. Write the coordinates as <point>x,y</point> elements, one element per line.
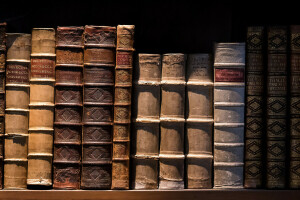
<point>16,112</point>
<point>171,155</point>
<point>42,79</point>
<point>146,112</point>
<point>199,121</point>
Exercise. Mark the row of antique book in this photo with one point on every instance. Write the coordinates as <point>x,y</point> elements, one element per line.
<point>66,101</point>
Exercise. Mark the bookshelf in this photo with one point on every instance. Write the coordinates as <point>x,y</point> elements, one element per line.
<point>150,194</point>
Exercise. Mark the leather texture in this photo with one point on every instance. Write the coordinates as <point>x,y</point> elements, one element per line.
<point>229,98</point>
<point>98,99</point>
<point>41,113</point>
<point>294,172</point>
<point>68,108</point>
<point>255,85</point>
<point>172,120</point>
<point>276,108</point>
<point>17,110</point>
<point>146,112</point>
<point>2,95</point>
<point>122,107</point>
<point>199,121</point>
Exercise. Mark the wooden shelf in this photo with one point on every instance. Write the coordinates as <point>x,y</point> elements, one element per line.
<point>241,194</point>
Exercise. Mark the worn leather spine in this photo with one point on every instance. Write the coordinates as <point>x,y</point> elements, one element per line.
<point>199,121</point>
<point>98,99</point>
<point>294,107</point>
<point>276,108</point>
<point>229,100</point>
<point>146,111</point>
<point>17,110</point>
<point>122,107</point>
<point>254,131</point>
<point>171,155</point>
<point>41,112</point>
<point>2,95</point>
<point>68,108</point>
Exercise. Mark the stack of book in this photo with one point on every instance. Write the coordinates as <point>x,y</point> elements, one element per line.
<point>224,120</point>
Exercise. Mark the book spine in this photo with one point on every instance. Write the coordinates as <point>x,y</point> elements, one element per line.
<point>99,65</point>
<point>229,98</point>
<point>41,112</point>
<point>2,95</point>
<point>171,155</point>
<point>17,109</point>
<point>122,107</point>
<point>146,110</point>
<point>68,108</point>
<point>276,107</point>
<point>294,173</point>
<point>255,108</point>
<point>199,121</point>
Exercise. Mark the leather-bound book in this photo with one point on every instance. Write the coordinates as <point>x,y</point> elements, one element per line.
<point>146,110</point>
<point>122,107</point>
<point>17,110</point>
<point>68,108</point>
<point>294,170</point>
<point>276,108</point>
<point>199,121</point>
<point>2,95</point>
<point>229,100</point>
<point>171,155</point>
<point>41,113</point>
<point>98,76</point>
<point>254,129</point>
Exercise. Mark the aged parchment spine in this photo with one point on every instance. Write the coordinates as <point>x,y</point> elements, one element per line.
<point>98,100</point>
<point>199,121</point>
<point>2,95</point>
<point>68,108</point>
<point>41,112</point>
<point>122,107</point>
<point>17,110</point>
<point>172,121</point>
<point>146,112</point>
<point>255,128</point>
<point>229,103</point>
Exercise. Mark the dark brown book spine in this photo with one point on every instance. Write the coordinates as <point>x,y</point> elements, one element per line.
<point>68,108</point>
<point>254,131</point>
<point>146,111</point>
<point>17,109</point>
<point>2,95</point>
<point>98,100</point>
<point>276,107</point>
<point>122,107</point>
<point>294,170</point>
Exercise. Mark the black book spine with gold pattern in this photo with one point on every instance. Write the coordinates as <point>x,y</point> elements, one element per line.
<point>122,107</point>
<point>276,108</point>
<point>254,111</point>
<point>2,94</point>
<point>68,108</point>
<point>98,76</point>
<point>294,169</point>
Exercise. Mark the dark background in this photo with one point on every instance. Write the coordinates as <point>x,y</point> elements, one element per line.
<point>161,26</point>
